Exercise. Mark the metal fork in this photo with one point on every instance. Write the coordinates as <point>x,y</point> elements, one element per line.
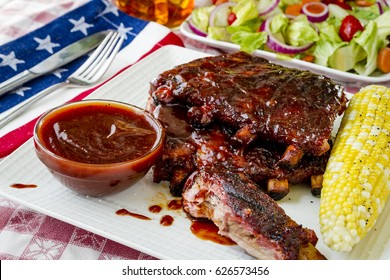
<point>87,74</point>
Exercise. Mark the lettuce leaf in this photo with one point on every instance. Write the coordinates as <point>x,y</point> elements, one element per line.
<point>245,10</point>
<point>346,57</point>
<point>248,40</point>
<point>366,14</point>
<point>200,17</point>
<point>219,33</point>
<point>279,24</point>
<point>300,32</point>
<point>278,27</point>
<point>370,44</point>
<point>328,43</point>
<point>337,12</point>
<point>383,23</point>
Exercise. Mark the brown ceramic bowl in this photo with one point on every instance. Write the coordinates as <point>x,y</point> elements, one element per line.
<point>97,147</point>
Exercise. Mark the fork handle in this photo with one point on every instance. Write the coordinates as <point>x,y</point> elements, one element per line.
<point>16,112</point>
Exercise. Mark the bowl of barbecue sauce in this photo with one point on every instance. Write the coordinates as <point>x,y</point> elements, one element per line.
<point>98,147</point>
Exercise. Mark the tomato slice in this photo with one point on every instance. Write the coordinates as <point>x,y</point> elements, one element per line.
<point>231,18</point>
<point>349,26</point>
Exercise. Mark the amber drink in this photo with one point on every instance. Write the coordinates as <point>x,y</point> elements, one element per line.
<point>167,12</point>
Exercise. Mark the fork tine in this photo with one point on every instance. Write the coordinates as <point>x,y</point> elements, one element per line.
<point>101,56</point>
<point>106,62</point>
<point>109,52</point>
<point>95,54</point>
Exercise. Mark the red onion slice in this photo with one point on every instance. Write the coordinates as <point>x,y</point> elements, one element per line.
<point>316,17</point>
<point>270,8</point>
<point>277,46</point>
<point>218,9</point>
<point>195,29</point>
<point>380,8</point>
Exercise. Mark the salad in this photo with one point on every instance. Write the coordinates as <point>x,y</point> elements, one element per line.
<point>347,35</point>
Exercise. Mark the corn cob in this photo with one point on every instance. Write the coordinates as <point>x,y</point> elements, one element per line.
<point>356,182</point>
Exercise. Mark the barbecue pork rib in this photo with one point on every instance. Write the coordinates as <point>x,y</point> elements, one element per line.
<point>187,149</point>
<point>253,99</point>
<point>247,215</point>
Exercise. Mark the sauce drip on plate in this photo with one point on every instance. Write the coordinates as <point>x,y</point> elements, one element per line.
<point>175,204</point>
<point>166,220</point>
<point>207,230</point>
<point>155,209</point>
<point>124,212</point>
<point>23,186</point>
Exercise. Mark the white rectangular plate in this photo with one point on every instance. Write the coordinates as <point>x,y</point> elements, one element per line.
<point>296,63</point>
<point>175,242</point>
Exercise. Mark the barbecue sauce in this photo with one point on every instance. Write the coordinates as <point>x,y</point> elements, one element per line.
<point>166,220</point>
<point>23,186</point>
<point>98,134</point>
<point>207,230</point>
<point>175,204</point>
<point>155,209</point>
<point>124,212</point>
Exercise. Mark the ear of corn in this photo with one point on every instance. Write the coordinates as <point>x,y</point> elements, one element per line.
<point>356,182</point>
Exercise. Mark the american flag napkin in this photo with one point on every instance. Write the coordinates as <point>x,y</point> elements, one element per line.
<point>141,38</point>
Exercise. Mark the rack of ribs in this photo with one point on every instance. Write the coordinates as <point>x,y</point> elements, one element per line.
<point>254,99</point>
<point>239,130</point>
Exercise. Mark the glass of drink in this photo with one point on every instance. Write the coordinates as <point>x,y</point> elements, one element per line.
<point>167,12</point>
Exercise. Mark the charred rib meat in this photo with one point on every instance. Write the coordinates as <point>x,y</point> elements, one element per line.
<point>247,215</point>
